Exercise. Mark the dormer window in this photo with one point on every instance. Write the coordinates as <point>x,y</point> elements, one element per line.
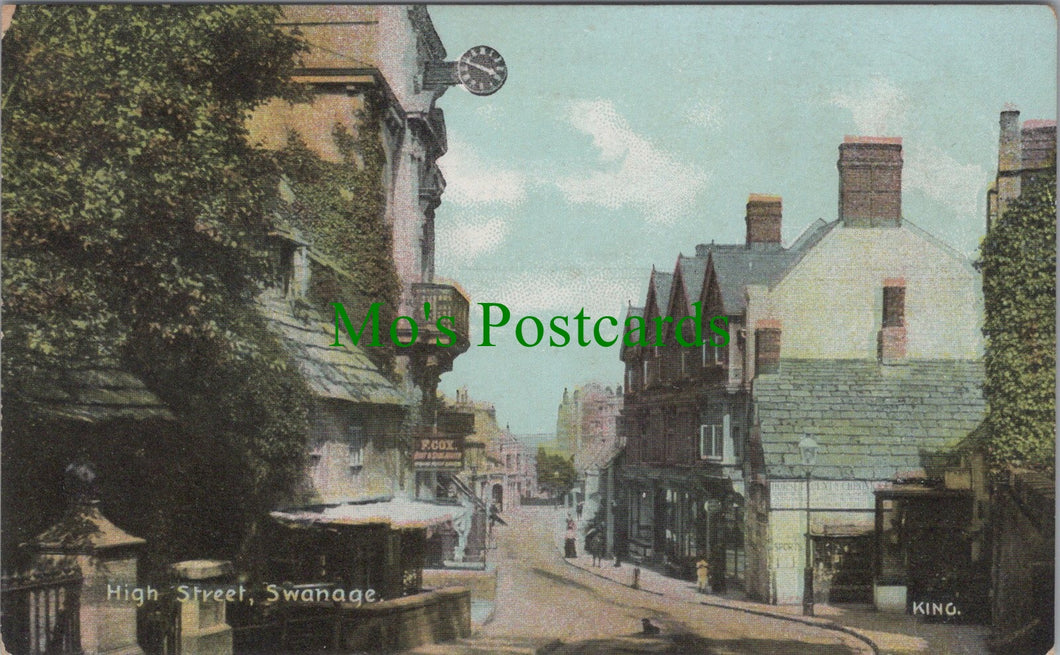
<point>293,269</point>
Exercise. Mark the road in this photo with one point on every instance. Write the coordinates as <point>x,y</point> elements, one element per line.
<point>540,597</point>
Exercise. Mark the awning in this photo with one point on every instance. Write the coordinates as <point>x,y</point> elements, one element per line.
<point>399,513</point>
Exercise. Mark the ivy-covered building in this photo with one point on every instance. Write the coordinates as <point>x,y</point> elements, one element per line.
<point>362,185</point>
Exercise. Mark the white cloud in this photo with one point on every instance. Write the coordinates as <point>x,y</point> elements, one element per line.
<point>944,179</point>
<point>472,181</point>
<point>703,114</point>
<point>634,171</point>
<point>548,293</point>
<point>878,107</point>
<point>463,242</point>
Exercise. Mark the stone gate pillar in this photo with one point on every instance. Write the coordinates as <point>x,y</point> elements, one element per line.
<point>203,629</point>
<point>107,557</point>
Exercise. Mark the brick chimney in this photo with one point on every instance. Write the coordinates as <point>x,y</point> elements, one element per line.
<point>767,347</point>
<point>891,340</point>
<point>763,221</point>
<point>870,181</point>
<point>1009,155</point>
<point>1009,159</point>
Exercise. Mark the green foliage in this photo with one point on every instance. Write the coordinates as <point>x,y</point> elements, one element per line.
<point>555,473</point>
<point>134,218</point>
<point>1018,261</point>
<point>339,207</point>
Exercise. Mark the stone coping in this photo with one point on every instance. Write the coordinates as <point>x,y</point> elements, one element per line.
<point>407,603</point>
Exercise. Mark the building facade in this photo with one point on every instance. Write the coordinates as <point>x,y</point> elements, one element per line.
<point>863,335</point>
<point>365,70</point>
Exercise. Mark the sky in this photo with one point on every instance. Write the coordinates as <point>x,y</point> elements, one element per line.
<point>626,135</point>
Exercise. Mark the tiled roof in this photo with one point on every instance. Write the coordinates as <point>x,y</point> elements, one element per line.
<point>90,394</point>
<point>340,373</point>
<point>869,420</point>
<point>737,266</point>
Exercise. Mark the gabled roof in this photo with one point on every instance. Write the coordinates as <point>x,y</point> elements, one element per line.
<point>737,266</point>
<point>630,311</point>
<point>870,421</point>
<point>338,373</point>
<point>662,283</point>
<point>692,272</point>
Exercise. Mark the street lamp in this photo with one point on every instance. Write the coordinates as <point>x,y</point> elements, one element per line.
<point>808,449</point>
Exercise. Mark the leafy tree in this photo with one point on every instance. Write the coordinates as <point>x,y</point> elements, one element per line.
<point>134,216</point>
<point>1018,261</point>
<point>555,473</point>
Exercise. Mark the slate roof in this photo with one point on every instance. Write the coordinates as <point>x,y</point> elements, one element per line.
<point>339,373</point>
<point>870,421</point>
<point>90,393</point>
<point>663,283</point>
<point>693,270</point>
<point>737,266</point>
<point>630,311</point>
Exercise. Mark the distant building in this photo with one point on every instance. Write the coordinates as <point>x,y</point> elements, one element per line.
<point>862,335</point>
<point>587,415</point>
<point>519,462</point>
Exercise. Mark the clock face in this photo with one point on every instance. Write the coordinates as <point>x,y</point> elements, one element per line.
<point>482,70</point>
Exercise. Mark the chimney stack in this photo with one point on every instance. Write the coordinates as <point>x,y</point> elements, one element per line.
<point>767,347</point>
<point>870,181</point>
<point>1009,160</point>
<point>763,221</point>
<point>1008,154</point>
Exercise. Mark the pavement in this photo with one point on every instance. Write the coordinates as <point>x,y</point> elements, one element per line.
<point>884,632</point>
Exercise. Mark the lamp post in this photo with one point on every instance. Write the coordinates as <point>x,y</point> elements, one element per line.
<point>808,449</point>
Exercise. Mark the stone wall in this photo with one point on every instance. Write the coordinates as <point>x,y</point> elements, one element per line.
<point>1023,511</point>
<point>481,584</point>
<point>377,627</point>
<point>408,622</point>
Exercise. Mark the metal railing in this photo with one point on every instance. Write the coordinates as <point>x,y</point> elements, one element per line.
<point>445,300</point>
<point>41,611</point>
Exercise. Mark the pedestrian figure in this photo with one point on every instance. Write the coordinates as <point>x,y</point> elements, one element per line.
<point>596,547</point>
<point>702,574</point>
<point>579,509</point>
<point>572,535</point>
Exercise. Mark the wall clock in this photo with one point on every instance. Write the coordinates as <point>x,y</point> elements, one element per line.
<point>481,70</point>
